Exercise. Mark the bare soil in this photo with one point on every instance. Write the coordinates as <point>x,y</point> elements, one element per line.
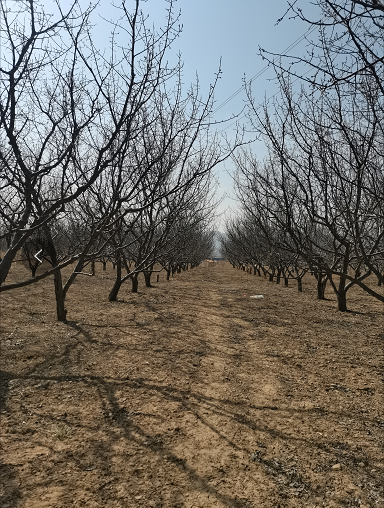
<point>191,394</point>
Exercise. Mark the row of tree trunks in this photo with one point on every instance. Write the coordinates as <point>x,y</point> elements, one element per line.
<point>286,274</point>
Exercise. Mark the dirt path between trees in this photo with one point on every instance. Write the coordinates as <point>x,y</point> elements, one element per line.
<point>191,394</point>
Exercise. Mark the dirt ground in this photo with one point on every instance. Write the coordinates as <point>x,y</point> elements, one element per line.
<point>191,394</point>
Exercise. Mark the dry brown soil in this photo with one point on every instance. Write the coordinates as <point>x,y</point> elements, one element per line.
<point>191,394</point>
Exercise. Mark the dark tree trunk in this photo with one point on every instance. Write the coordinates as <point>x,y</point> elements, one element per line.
<point>342,295</point>
<point>147,278</point>
<point>278,276</point>
<point>320,290</point>
<point>321,285</point>
<point>342,288</point>
<point>271,277</point>
<point>9,256</point>
<point>60,296</point>
<point>112,297</point>
<point>135,282</point>
<point>342,301</point>
<point>299,284</point>
<point>57,279</point>
<point>104,265</point>
<point>8,239</point>
<point>285,282</point>
<point>117,285</point>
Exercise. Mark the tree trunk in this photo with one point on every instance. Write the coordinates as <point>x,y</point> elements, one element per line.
<point>285,282</point>
<point>9,256</point>
<point>8,240</point>
<point>112,297</point>
<point>299,285</point>
<point>104,265</point>
<point>342,290</point>
<point>116,287</point>
<point>60,296</point>
<point>342,295</point>
<point>278,276</point>
<point>342,301</point>
<point>321,285</point>
<point>57,279</point>
<point>147,278</point>
<point>271,276</point>
<point>135,282</point>
<point>321,290</point>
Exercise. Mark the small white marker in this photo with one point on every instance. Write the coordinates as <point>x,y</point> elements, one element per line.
<point>39,260</point>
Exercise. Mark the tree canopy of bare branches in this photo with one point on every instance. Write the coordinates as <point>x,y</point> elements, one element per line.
<point>92,137</point>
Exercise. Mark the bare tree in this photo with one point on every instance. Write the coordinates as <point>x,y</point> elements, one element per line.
<point>349,43</point>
